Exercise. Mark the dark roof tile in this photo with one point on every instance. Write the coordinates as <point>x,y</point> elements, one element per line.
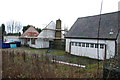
<point>87,27</point>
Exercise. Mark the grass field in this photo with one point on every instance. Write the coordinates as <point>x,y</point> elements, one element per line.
<point>32,63</point>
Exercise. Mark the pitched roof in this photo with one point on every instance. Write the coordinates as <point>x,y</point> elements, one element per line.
<point>48,31</point>
<point>30,32</point>
<point>87,27</point>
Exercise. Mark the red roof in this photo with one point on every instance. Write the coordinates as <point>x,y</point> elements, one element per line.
<point>31,32</point>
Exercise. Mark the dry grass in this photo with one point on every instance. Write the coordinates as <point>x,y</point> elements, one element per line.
<point>23,64</point>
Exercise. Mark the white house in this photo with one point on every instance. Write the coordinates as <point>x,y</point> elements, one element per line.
<point>39,40</point>
<point>29,36</point>
<point>83,40</point>
<point>47,34</point>
<point>50,33</point>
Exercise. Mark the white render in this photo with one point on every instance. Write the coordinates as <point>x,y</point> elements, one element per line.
<point>48,31</point>
<point>9,38</point>
<point>42,40</point>
<point>91,52</point>
<point>45,36</point>
<point>22,41</point>
<point>40,43</point>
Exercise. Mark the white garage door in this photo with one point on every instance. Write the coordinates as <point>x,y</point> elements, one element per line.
<point>92,50</point>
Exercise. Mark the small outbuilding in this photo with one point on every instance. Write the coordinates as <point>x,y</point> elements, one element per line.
<point>47,34</point>
<point>29,36</point>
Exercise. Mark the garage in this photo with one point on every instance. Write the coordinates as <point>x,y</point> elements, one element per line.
<point>88,49</point>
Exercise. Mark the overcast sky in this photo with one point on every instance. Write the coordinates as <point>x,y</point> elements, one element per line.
<point>40,12</point>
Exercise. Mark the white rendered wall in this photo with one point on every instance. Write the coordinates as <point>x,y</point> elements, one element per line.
<point>91,52</point>
<point>40,43</point>
<point>8,38</point>
<point>67,45</point>
<point>22,41</point>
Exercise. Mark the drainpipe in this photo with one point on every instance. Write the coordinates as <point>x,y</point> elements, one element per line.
<point>105,52</point>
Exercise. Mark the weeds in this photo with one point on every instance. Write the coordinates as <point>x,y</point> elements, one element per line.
<point>23,64</point>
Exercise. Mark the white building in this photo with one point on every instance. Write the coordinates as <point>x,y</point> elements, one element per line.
<point>46,35</point>
<point>29,36</point>
<point>83,40</point>
<point>8,38</point>
<point>39,40</point>
<point>43,39</point>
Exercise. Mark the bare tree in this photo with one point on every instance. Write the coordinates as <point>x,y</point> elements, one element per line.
<point>14,26</point>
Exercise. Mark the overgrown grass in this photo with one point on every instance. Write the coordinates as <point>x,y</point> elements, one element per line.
<point>21,64</point>
<point>57,52</point>
<point>63,55</point>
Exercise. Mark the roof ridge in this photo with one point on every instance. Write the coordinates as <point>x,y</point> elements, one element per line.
<point>98,15</point>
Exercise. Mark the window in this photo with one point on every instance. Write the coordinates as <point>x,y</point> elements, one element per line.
<point>96,45</point>
<point>33,41</point>
<point>83,44</point>
<point>80,44</point>
<point>28,40</point>
<point>75,43</point>
<point>92,45</point>
<point>87,44</point>
<point>72,43</point>
<point>101,46</point>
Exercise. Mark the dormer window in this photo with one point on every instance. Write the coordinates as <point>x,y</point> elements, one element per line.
<point>111,32</point>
